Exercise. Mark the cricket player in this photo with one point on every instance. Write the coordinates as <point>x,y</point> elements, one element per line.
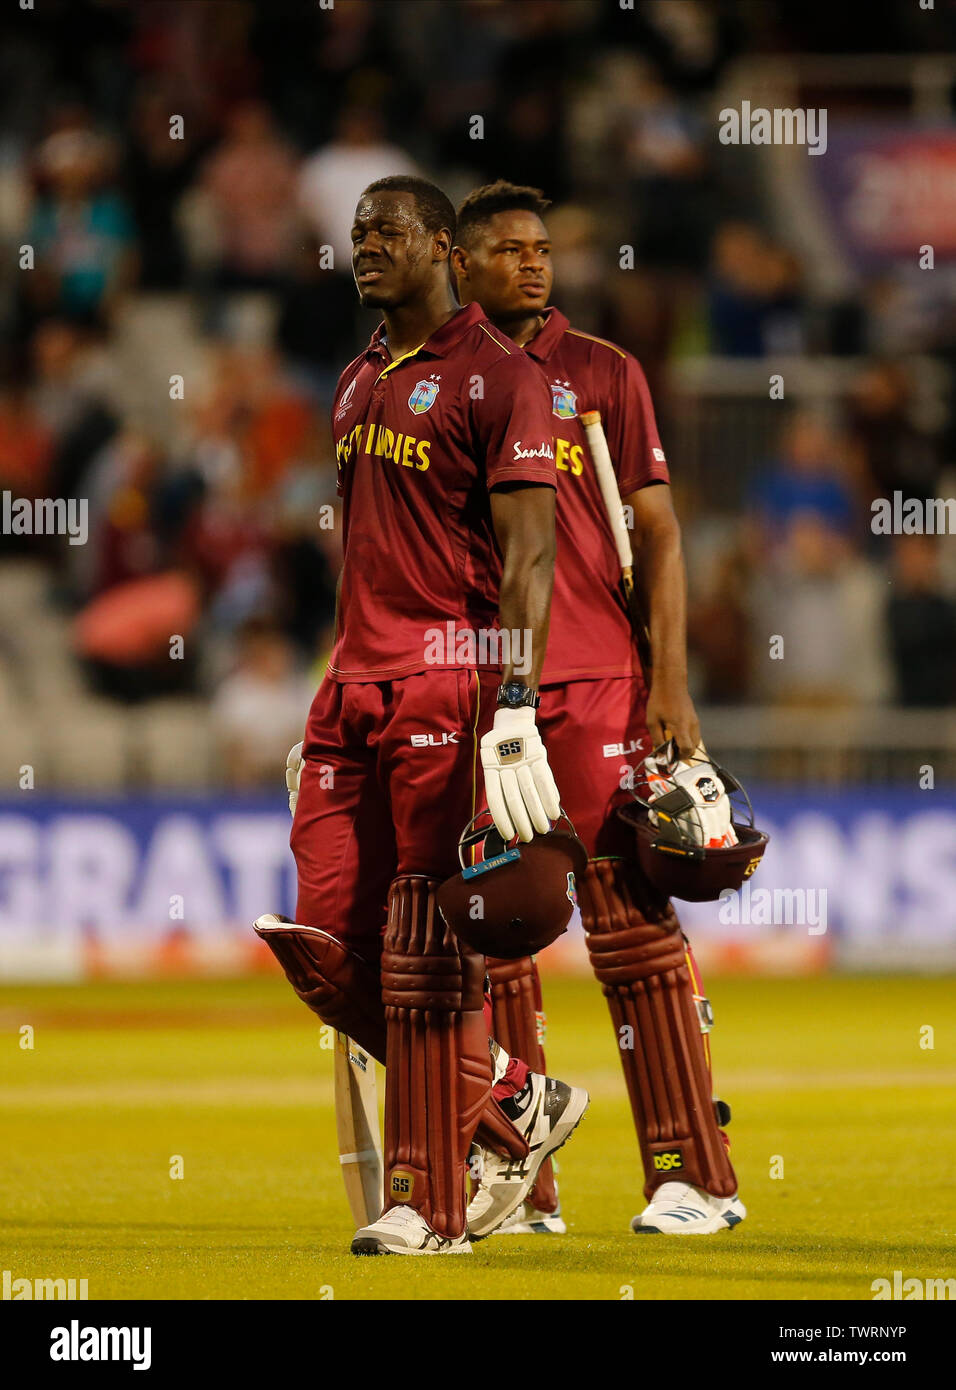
<point>444,440</point>
<point>602,715</point>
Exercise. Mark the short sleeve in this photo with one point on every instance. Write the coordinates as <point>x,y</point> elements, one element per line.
<point>631,430</point>
<point>346,380</point>
<point>513,424</point>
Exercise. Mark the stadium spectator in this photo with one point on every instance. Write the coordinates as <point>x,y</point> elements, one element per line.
<point>157,171</point>
<point>224,537</point>
<point>279,420</point>
<point>81,229</point>
<point>922,626</point>
<point>26,443</point>
<point>891,451</point>
<point>73,397</point>
<point>825,601</point>
<point>755,300</point>
<point>719,637</point>
<point>579,266</point>
<point>331,180</point>
<point>808,477</point>
<point>259,710</point>
<point>121,485</point>
<point>250,183</point>
<point>127,637</point>
<point>316,320</point>
<point>662,143</point>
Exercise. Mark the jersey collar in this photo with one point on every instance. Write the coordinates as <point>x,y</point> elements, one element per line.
<point>442,340</point>
<point>544,343</point>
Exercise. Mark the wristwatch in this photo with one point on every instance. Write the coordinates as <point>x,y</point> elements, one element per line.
<point>515,694</point>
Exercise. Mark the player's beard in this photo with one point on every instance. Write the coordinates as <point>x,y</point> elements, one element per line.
<point>369,299</point>
<point>515,320</point>
<point>391,295</point>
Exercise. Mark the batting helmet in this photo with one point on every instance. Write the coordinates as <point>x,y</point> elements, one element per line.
<point>517,898</point>
<point>694,827</point>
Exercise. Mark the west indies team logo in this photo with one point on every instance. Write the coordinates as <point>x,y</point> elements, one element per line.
<point>564,403</point>
<point>424,395</point>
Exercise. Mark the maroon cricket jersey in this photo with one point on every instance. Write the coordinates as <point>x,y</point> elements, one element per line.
<point>419,443</point>
<point>590,632</point>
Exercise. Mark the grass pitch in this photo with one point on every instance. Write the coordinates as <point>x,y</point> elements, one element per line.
<point>827,1076</point>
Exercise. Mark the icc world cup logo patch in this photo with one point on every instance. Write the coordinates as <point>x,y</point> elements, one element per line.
<point>572,892</point>
<point>424,395</point>
<point>564,403</point>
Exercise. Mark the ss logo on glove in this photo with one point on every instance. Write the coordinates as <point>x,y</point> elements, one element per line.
<point>519,785</point>
<point>507,752</point>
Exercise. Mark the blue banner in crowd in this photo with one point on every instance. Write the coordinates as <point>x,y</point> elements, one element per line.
<point>871,871</point>
<point>119,868</point>
<point>874,869</point>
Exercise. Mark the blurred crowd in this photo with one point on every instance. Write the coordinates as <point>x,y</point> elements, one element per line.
<point>185,174</point>
<point>799,601</point>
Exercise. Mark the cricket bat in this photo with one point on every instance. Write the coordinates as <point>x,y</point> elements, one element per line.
<point>597,444</point>
<point>359,1134</point>
<point>601,454</point>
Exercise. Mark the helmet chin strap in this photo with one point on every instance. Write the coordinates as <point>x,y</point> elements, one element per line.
<point>491,840</point>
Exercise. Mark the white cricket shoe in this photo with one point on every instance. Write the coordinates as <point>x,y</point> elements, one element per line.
<point>678,1209</point>
<point>404,1231</point>
<point>527,1220</point>
<point>547,1112</point>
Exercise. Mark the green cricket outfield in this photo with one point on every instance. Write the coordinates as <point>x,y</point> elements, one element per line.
<point>226,1082</point>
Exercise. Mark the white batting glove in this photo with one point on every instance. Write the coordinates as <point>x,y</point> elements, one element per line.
<point>519,785</point>
<point>293,772</point>
<point>710,823</point>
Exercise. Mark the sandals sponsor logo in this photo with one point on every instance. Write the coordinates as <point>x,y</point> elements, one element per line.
<point>543,451</point>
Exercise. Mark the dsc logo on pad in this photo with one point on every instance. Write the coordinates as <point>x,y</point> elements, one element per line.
<point>668,1162</point>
